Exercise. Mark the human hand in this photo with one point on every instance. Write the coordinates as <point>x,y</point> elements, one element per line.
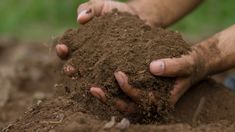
<point>188,70</point>
<point>93,8</point>
<point>185,69</point>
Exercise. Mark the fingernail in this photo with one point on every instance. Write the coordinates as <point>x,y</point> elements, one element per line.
<point>157,67</point>
<point>94,93</point>
<point>119,78</point>
<point>98,93</point>
<point>62,50</point>
<point>82,14</point>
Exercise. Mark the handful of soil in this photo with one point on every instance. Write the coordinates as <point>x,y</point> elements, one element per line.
<point>119,41</point>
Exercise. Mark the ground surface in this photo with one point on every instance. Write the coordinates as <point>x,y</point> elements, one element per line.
<point>62,113</point>
<point>26,71</point>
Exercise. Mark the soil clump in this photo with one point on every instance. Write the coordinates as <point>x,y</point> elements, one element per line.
<point>120,42</point>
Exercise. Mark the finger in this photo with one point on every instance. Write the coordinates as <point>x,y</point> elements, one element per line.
<point>88,10</point>
<point>62,51</point>
<point>172,67</point>
<point>85,16</point>
<point>139,96</point>
<point>108,6</point>
<point>122,80</point>
<point>119,104</point>
<point>180,87</point>
<point>126,107</point>
<point>98,93</point>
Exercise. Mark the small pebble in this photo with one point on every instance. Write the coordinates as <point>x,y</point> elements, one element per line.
<point>124,124</point>
<point>110,124</point>
<point>39,102</point>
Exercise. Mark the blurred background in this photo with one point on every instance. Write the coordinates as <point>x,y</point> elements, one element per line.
<point>41,20</point>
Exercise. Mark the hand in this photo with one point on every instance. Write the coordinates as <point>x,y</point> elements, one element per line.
<point>188,70</point>
<point>93,8</point>
<point>90,9</point>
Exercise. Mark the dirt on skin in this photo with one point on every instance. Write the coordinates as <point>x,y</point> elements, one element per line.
<point>120,42</point>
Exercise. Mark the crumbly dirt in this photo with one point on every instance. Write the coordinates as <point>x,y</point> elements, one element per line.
<point>30,72</point>
<point>120,42</point>
<point>66,114</point>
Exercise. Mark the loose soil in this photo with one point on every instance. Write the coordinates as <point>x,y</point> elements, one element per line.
<point>120,42</point>
<point>206,107</point>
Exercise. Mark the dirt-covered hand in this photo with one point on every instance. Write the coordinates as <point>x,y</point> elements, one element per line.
<point>188,70</point>
<point>138,97</point>
<point>93,8</point>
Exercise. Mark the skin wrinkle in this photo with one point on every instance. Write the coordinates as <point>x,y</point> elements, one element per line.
<point>198,68</point>
<point>184,66</point>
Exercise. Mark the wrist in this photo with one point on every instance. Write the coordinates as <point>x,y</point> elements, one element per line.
<point>148,11</point>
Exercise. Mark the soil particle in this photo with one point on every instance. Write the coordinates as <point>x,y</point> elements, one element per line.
<point>120,42</point>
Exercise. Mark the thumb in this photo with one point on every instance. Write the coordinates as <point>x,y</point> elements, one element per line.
<point>172,67</point>
<point>88,10</point>
<point>84,16</point>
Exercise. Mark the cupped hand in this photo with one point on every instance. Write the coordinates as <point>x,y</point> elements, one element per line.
<point>93,8</point>
<point>90,9</point>
<point>188,70</point>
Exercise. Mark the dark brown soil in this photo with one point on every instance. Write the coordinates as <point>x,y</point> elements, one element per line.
<point>64,114</point>
<point>120,42</point>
